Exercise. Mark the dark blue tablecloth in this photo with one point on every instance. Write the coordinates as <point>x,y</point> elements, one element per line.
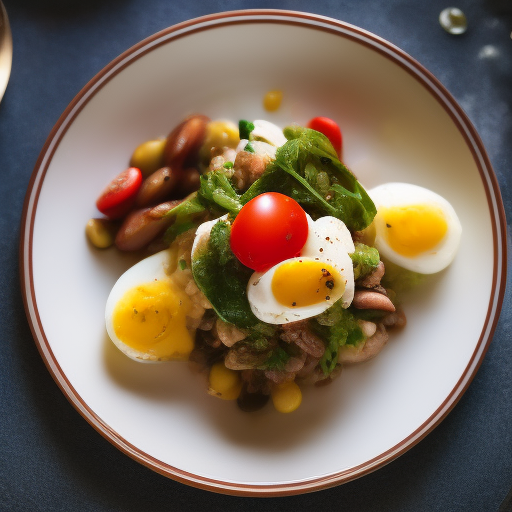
<point>50,458</point>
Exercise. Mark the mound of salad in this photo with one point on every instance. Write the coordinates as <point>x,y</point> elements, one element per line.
<point>267,242</point>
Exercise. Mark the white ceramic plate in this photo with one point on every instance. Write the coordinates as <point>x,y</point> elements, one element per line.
<point>399,124</point>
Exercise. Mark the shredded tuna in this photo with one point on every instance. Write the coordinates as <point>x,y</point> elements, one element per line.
<point>300,334</point>
<point>296,363</point>
<point>248,168</point>
<point>309,366</point>
<point>373,280</point>
<point>228,333</point>
<point>241,358</point>
<point>278,377</point>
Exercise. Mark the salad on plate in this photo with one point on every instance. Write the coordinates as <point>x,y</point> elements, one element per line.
<point>264,262</point>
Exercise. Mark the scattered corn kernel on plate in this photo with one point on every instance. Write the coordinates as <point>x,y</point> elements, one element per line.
<point>411,131</point>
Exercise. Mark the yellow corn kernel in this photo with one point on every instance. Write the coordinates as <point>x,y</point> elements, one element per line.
<point>223,382</point>
<point>272,100</point>
<point>286,397</point>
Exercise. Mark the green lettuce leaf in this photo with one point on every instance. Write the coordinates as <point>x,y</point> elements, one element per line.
<point>223,279</point>
<point>307,169</point>
<point>216,196</point>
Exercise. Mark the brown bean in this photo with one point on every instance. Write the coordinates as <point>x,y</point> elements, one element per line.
<point>189,182</point>
<point>158,187</point>
<point>184,142</point>
<point>396,319</point>
<point>142,226</point>
<point>365,299</point>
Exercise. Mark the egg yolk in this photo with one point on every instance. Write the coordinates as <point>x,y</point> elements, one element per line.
<point>299,283</point>
<point>151,318</point>
<point>413,229</point>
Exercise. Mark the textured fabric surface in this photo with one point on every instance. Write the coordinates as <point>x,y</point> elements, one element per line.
<point>51,459</point>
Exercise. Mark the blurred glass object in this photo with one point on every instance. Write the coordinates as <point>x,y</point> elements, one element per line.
<point>453,20</point>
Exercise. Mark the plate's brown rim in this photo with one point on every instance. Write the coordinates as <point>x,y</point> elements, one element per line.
<point>311,21</point>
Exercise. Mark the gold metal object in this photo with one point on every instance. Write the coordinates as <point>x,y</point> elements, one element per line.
<point>5,50</point>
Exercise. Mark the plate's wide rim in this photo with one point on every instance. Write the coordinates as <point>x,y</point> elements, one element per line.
<point>316,22</point>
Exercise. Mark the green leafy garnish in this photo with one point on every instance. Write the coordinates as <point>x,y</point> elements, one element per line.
<point>338,327</point>
<point>365,260</point>
<point>245,128</point>
<point>187,215</point>
<point>264,352</point>
<point>277,359</point>
<point>216,196</point>
<point>222,278</point>
<point>249,148</point>
<point>307,169</point>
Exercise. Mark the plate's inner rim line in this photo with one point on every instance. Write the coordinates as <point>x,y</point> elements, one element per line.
<point>64,126</point>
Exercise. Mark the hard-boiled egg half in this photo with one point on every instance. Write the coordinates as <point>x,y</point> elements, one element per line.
<point>145,314</point>
<point>305,286</point>
<point>415,228</point>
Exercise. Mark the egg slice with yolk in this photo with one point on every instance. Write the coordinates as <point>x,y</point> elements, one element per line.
<point>415,228</point>
<point>305,286</point>
<point>145,314</point>
<point>302,282</point>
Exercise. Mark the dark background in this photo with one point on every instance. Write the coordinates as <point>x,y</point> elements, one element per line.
<point>50,458</point>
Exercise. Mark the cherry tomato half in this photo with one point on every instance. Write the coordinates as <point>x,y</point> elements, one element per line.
<point>330,129</point>
<point>270,228</point>
<point>118,198</point>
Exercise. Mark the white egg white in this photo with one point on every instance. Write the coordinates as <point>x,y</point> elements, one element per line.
<point>260,148</point>
<point>152,268</point>
<point>203,233</point>
<point>329,241</point>
<point>403,194</point>
<point>268,132</point>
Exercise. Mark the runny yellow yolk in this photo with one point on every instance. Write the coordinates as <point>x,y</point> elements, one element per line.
<point>300,283</point>
<point>413,229</point>
<point>151,318</point>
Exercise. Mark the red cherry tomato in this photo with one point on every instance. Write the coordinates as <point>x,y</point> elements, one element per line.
<point>118,198</point>
<point>330,129</point>
<point>270,228</point>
